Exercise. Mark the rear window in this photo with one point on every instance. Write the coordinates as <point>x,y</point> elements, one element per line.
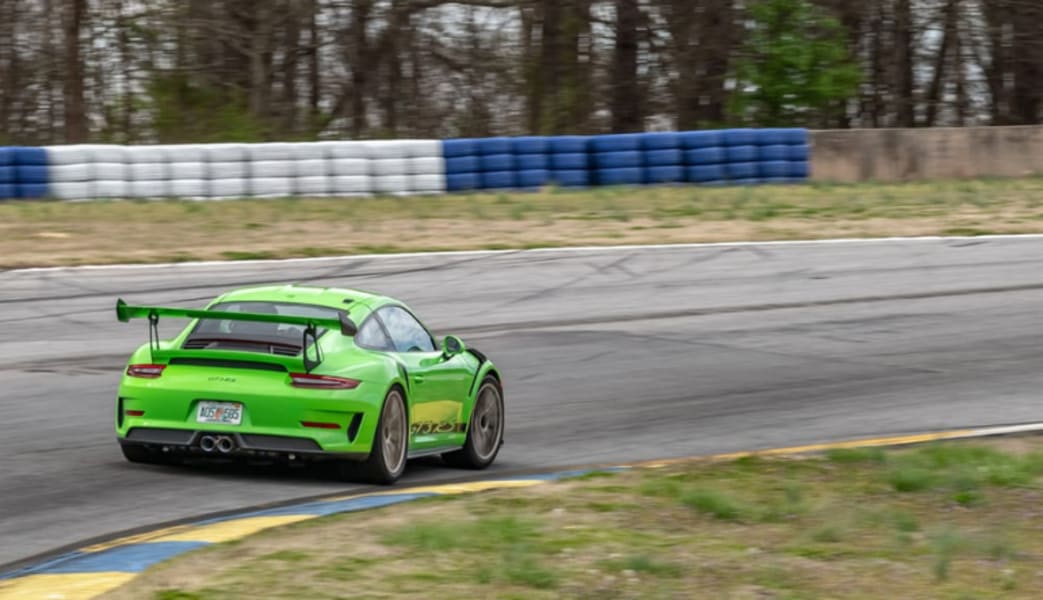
<point>279,338</point>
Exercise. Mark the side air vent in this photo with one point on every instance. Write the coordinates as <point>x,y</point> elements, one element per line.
<point>227,364</point>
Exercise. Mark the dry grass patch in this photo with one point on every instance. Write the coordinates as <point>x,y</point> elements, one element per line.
<point>40,233</point>
<point>949,520</point>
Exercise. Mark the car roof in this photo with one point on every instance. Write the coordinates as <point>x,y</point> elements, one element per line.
<point>345,299</point>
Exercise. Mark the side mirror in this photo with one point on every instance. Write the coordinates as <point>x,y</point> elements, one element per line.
<point>452,345</point>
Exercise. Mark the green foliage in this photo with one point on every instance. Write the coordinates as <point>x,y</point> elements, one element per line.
<point>184,112</point>
<point>795,68</point>
<point>713,503</point>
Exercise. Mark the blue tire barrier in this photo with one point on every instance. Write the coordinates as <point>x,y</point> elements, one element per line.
<point>569,144</point>
<point>621,176</point>
<point>32,174</point>
<point>706,173</point>
<point>499,180</point>
<point>747,181</point>
<point>704,156</point>
<point>35,157</point>
<point>459,147</point>
<point>8,190</point>
<point>701,139</point>
<point>664,174</point>
<point>799,153</point>
<point>789,137</point>
<point>741,171</point>
<point>529,145</point>
<point>739,137</point>
<point>772,153</point>
<point>31,190</point>
<point>620,142</point>
<point>497,162</point>
<point>7,173</point>
<point>572,178</point>
<point>571,161</point>
<point>661,141</point>
<point>6,156</point>
<point>459,182</point>
<point>781,137</point>
<point>498,145</point>
<point>773,169</point>
<point>799,170</point>
<point>627,159</point>
<point>741,153</point>
<point>664,158</point>
<point>531,162</point>
<point>462,164</point>
<point>533,179</point>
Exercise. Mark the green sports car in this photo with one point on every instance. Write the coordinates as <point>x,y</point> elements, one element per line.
<point>301,373</point>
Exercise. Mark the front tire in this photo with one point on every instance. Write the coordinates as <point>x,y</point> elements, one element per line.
<point>484,432</point>
<point>387,459</point>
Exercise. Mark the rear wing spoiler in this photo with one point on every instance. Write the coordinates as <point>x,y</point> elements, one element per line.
<point>125,312</point>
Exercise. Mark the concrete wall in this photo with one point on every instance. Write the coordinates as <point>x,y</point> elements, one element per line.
<point>911,154</point>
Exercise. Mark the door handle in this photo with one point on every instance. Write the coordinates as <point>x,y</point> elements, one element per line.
<point>418,379</point>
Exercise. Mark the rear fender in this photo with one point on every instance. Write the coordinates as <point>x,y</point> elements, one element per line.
<point>485,369</point>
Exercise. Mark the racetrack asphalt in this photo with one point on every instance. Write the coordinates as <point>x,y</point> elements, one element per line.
<point>609,355</point>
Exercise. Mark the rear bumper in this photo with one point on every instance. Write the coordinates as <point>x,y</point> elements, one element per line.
<point>244,445</point>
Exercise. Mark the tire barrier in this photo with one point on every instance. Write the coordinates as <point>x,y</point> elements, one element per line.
<point>23,172</point>
<point>403,167</point>
<point>721,157</point>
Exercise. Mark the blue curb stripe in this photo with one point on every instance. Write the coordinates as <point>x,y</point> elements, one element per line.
<point>324,508</point>
<point>132,558</point>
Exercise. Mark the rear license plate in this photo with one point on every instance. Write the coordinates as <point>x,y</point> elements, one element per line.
<point>222,413</point>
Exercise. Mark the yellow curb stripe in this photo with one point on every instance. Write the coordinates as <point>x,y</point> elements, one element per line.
<point>449,488</point>
<point>65,586</point>
<point>232,529</point>
<point>468,487</point>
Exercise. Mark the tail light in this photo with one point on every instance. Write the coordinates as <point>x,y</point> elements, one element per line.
<point>322,382</point>
<point>145,371</point>
<point>320,425</point>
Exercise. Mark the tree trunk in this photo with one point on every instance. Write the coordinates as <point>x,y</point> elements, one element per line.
<point>314,76</point>
<point>359,57</point>
<point>291,57</point>
<point>1027,21</point>
<point>949,33</point>
<point>626,90</point>
<point>550,66</point>
<point>75,110</point>
<point>905,103</point>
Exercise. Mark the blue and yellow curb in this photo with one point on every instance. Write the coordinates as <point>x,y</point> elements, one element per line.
<point>93,570</point>
<point>96,569</point>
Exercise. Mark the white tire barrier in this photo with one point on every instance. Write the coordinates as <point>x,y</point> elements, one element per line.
<point>342,168</point>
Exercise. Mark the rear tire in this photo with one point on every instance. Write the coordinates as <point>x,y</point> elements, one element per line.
<point>387,459</point>
<point>142,455</point>
<point>485,430</point>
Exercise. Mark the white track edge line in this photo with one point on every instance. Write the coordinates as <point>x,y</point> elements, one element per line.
<point>562,250</point>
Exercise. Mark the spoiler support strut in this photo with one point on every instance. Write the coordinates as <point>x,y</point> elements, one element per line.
<point>153,335</point>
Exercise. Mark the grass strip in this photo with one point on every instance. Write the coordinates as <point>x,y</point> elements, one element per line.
<point>946,520</point>
<point>49,233</point>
